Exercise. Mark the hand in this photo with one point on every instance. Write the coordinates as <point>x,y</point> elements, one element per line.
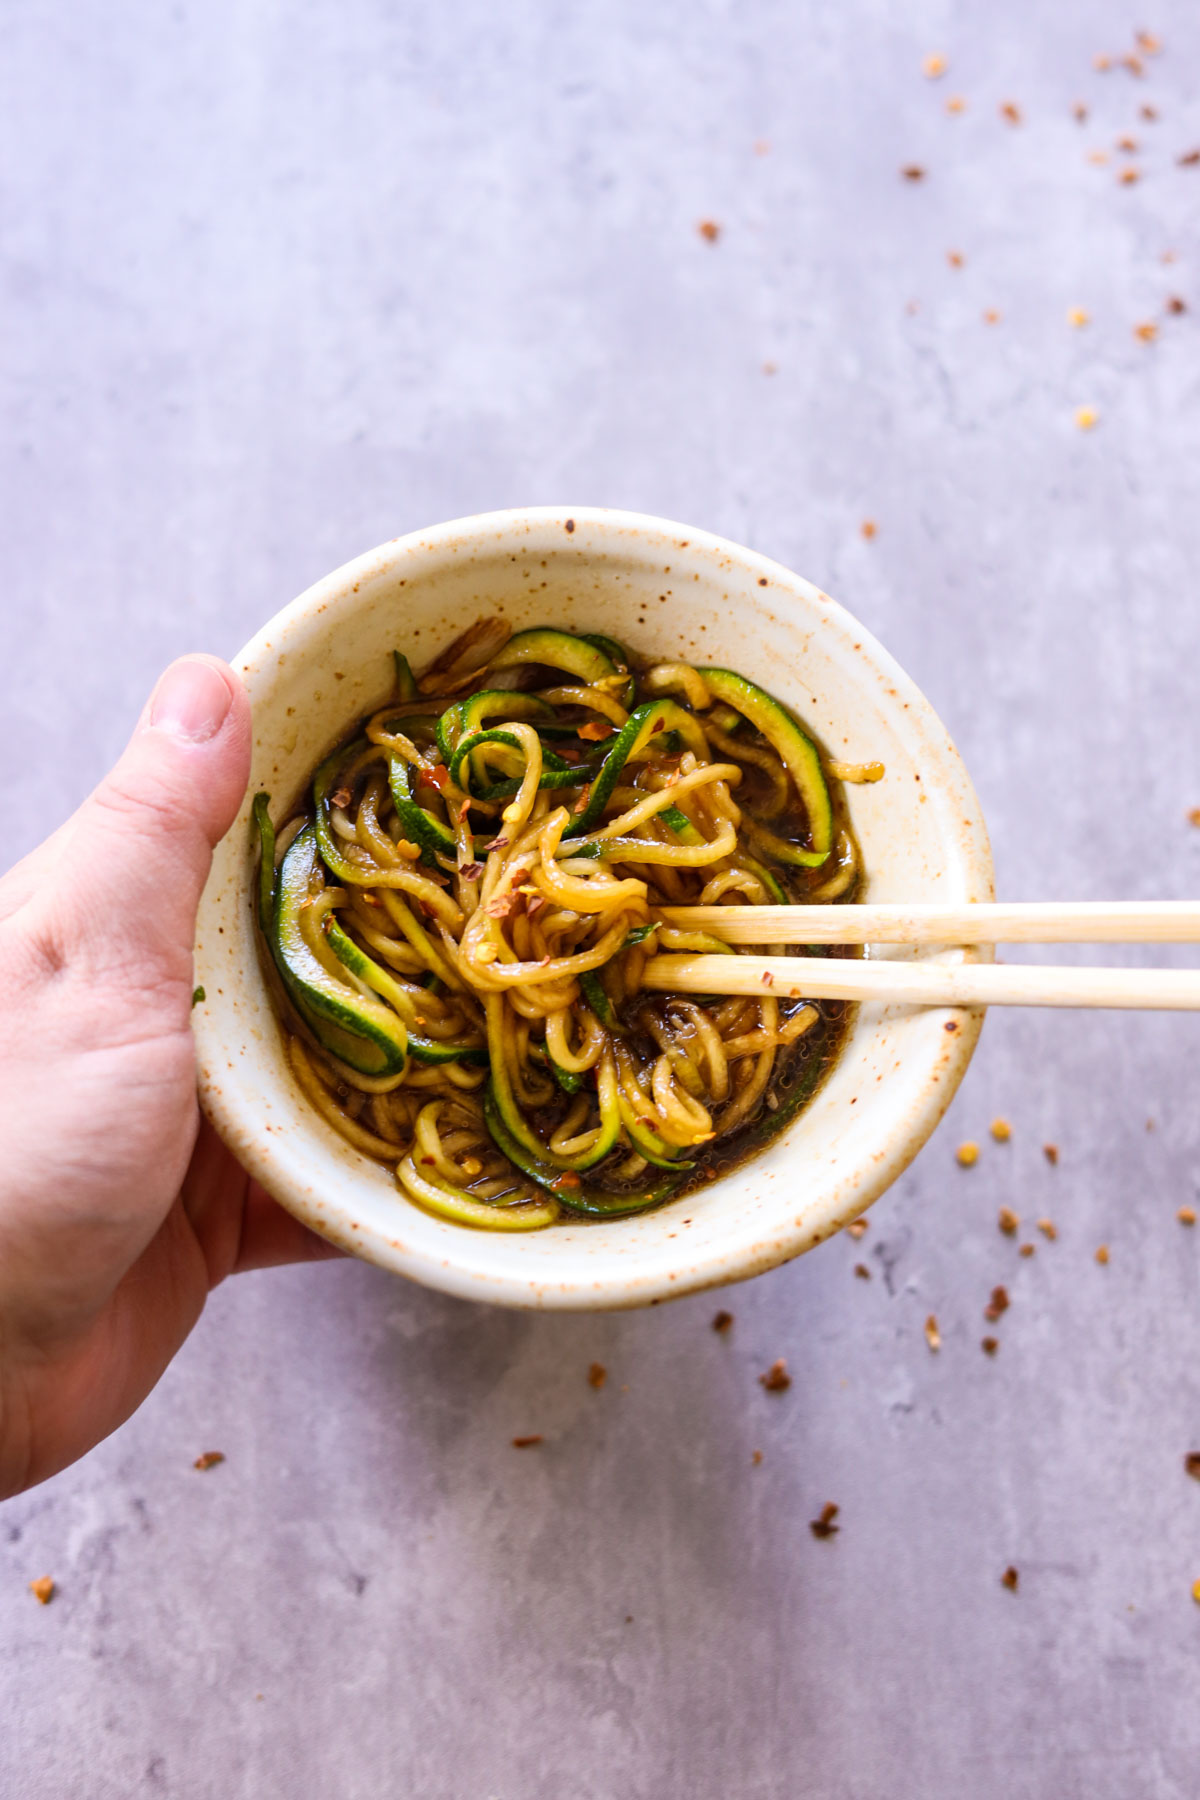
<point>118,1211</point>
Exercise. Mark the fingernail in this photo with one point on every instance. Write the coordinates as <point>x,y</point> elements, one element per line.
<point>192,700</point>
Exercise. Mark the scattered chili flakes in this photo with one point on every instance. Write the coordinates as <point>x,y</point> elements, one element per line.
<point>1050,1152</point>
<point>595,730</point>
<point>767,979</point>
<point>956,104</point>
<point>1010,112</point>
<point>1189,159</point>
<point>868,528</point>
<point>1134,64</point>
<point>1010,1579</point>
<point>534,905</point>
<point>1086,417</point>
<point>1176,305</point>
<point>967,1155</point>
<point>709,230</point>
<point>1127,144</point>
<point>1191,1464</point>
<point>756,1457</point>
<point>776,1379</point>
<point>1001,1130</point>
<point>823,1526</point>
<point>723,1321</point>
<point>340,797</point>
<point>438,777</point>
<point>955,258</point>
<point>1127,177</point>
<point>1078,317</point>
<point>209,1460</point>
<point>527,1442</point>
<point>997,1305</point>
<point>1186,1215</point>
<point>1102,1254</point>
<point>989,1345</point>
<point>597,1375</point>
<point>429,1162</point>
<point>1008,1221</point>
<point>1027,1249</point>
<point>914,172</point>
<point>471,871</point>
<point>862,1271</point>
<point>1147,41</point>
<point>934,67</point>
<point>566,1183</point>
<point>991,316</point>
<point>857,1227</point>
<point>933,1336</point>
<point>580,805</point>
<point>1048,1229</point>
<point>501,906</point>
<point>1146,333</point>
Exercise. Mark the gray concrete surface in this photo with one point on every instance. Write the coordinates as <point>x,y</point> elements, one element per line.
<point>282,281</point>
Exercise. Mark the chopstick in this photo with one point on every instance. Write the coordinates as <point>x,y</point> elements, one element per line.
<point>1038,922</point>
<point>921,983</point>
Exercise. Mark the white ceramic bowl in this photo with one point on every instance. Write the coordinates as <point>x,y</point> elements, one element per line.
<point>326,660</point>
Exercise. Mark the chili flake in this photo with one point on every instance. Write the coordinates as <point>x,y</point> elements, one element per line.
<point>1050,1152</point>
<point>1102,1254</point>
<point>934,67</point>
<point>1027,1249</point>
<point>933,1336</point>
<point>991,316</point>
<point>723,1321</point>
<point>1080,112</point>
<point>595,730</point>
<point>528,1442</point>
<point>1048,1228</point>
<point>1146,332</point>
<point>1189,159</point>
<point>967,1155</point>
<point>438,777</point>
<point>868,528</point>
<point>989,1345</point>
<point>756,1457</point>
<point>1010,112</point>
<point>1147,41</point>
<point>1176,305</point>
<point>767,979</point>
<point>956,104</point>
<point>565,1183</point>
<point>1127,144</point>
<point>776,1379</point>
<point>471,871</point>
<point>824,1527</point>
<point>1149,112</point>
<point>1010,1579</point>
<point>914,172</point>
<point>998,1304</point>
<point>209,1460</point>
<point>862,1271</point>
<point>1009,1221</point>
<point>1128,176</point>
<point>1186,1215</point>
<point>955,258</point>
<point>42,1589</point>
<point>1194,816</point>
<point>1191,1464</point>
<point>857,1227</point>
<point>580,805</point>
<point>501,906</point>
<point>709,230</point>
<point>597,1375</point>
<point>500,843</point>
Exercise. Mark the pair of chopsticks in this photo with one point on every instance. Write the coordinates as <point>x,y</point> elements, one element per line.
<point>935,984</point>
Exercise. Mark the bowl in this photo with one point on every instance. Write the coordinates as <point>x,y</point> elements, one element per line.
<point>325,660</point>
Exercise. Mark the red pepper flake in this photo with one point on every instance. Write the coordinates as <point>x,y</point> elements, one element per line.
<point>595,730</point>
<point>1189,159</point>
<point>1176,305</point>
<point>534,905</point>
<point>858,1227</point>
<point>1146,333</point>
<point>756,1457</point>
<point>1191,1464</point>
<point>438,777</point>
<point>1010,112</point>
<point>1150,113</point>
<point>568,1182</point>
<point>776,1379</point>
<point>471,871</point>
<point>1079,112</point>
<point>1186,1215</point>
<point>767,979</point>
<point>1147,41</point>
<point>998,1304</point>
<point>1102,1255</point>
<point>340,797</point>
<point>989,1345</point>
<point>955,258</point>
<point>709,230</point>
<point>501,906</point>
<point>868,528</point>
<point>1027,1249</point>
<point>580,805</point>
<point>1048,1229</point>
<point>527,1443</point>
<point>913,172</point>
<point>42,1589</point>
<point>1010,1579</point>
<point>722,1322</point>
<point>933,1336</point>
<point>1050,1152</point>
<point>862,1271</point>
<point>823,1526</point>
<point>1127,177</point>
<point>209,1460</point>
<point>500,843</point>
<point>429,1161</point>
<point>1008,1221</point>
<point>597,1375</point>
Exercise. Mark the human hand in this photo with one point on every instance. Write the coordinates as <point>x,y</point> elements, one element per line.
<point>118,1210</point>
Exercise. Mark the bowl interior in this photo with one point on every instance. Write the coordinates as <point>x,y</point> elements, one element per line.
<point>326,660</point>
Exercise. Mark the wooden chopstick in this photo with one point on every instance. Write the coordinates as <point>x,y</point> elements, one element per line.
<point>922,983</point>
<point>1038,922</point>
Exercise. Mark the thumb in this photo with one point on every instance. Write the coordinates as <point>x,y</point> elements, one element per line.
<point>131,863</point>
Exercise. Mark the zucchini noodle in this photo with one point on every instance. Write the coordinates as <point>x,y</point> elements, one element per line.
<point>458,916</point>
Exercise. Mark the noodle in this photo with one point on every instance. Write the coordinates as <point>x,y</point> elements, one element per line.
<point>463,909</point>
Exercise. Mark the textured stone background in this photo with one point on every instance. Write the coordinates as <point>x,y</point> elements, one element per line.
<point>282,281</point>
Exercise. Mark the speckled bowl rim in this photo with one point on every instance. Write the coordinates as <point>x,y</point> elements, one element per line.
<point>239,1122</point>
